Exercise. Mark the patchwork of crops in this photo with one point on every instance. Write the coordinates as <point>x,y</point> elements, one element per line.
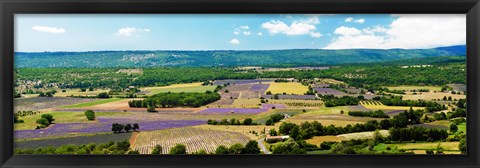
<point>371,102</point>
<point>195,139</point>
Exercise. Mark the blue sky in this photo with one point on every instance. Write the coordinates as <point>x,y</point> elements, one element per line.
<point>49,32</point>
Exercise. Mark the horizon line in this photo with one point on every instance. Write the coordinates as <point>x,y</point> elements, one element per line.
<point>237,50</point>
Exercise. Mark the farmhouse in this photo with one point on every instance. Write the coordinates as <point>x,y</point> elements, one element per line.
<point>276,138</point>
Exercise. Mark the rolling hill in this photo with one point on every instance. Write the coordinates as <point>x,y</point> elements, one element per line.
<point>227,58</point>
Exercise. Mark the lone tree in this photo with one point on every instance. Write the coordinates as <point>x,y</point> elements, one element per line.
<point>49,118</point>
<point>90,115</point>
<point>251,148</point>
<point>453,128</point>
<point>151,109</point>
<point>157,150</point>
<point>178,149</point>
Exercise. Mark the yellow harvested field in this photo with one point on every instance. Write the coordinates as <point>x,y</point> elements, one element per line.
<point>363,135</point>
<point>288,88</point>
<point>384,107</point>
<point>429,145</point>
<point>331,81</point>
<point>431,96</point>
<point>408,88</point>
<point>317,140</point>
<point>244,129</point>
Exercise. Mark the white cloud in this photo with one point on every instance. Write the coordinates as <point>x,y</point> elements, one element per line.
<point>234,41</point>
<point>347,31</point>
<point>350,19</point>
<point>47,29</point>
<point>260,34</point>
<point>359,21</point>
<point>301,27</point>
<point>406,31</point>
<point>242,30</point>
<point>129,31</point>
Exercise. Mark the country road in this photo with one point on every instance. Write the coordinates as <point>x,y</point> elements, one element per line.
<point>262,146</point>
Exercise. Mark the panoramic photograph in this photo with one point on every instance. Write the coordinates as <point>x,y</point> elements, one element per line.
<point>240,84</point>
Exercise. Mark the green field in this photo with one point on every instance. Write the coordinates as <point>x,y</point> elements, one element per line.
<point>88,104</point>
<point>418,147</point>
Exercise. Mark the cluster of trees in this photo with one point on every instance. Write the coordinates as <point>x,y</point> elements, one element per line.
<point>250,148</point>
<point>27,113</point>
<point>418,134</point>
<point>90,114</point>
<point>450,115</point>
<point>45,121</point>
<point>397,101</point>
<point>47,94</point>
<point>307,130</point>
<point>74,78</point>
<point>122,147</point>
<point>233,121</point>
<point>119,128</point>
<point>332,101</point>
<point>176,100</point>
<point>274,118</point>
<point>292,147</point>
<point>374,114</point>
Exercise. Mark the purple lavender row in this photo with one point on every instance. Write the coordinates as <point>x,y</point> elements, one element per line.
<point>63,129</point>
<point>259,87</point>
<point>277,106</point>
<point>232,110</point>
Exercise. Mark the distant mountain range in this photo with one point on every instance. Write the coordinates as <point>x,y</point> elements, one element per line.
<point>227,58</point>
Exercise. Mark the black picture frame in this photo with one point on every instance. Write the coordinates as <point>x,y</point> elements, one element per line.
<point>8,8</point>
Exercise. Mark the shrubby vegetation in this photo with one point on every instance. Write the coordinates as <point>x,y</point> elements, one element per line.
<point>119,128</point>
<point>45,121</point>
<point>89,149</point>
<point>233,121</point>
<point>90,114</point>
<point>397,101</point>
<point>183,99</point>
<point>274,118</point>
<point>418,134</point>
<point>332,101</point>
